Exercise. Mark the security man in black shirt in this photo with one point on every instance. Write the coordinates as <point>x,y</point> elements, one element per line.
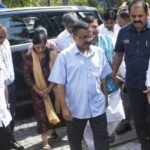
<point>134,44</point>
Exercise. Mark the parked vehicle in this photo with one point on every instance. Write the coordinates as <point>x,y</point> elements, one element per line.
<point>21,22</point>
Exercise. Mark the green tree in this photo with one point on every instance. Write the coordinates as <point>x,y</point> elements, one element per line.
<point>26,3</point>
<point>20,3</point>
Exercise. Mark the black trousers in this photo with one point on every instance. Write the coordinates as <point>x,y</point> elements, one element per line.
<point>5,138</point>
<point>126,104</point>
<point>12,101</point>
<point>75,130</point>
<point>141,111</point>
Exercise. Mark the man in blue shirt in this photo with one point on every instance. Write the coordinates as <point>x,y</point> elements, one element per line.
<point>115,111</point>
<point>133,41</point>
<point>80,72</point>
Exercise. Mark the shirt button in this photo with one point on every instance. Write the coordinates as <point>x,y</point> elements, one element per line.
<point>139,33</point>
<point>137,51</point>
<point>137,42</point>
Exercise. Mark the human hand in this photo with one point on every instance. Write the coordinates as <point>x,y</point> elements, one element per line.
<point>147,90</point>
<point>118,80</point>
<point>46,91</point>
<point>30,47</point>
<point>51,44</point>
<point>42,94</point>
<point>67,114</point>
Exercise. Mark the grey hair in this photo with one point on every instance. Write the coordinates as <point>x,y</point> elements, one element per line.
<point>69,18</point>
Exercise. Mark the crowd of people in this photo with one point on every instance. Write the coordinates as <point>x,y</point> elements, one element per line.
<point>94,78</point>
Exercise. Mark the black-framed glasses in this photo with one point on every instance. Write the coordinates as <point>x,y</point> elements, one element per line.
<point>86,36</point>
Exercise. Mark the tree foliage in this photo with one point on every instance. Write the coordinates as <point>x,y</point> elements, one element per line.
<point>16,3</point>
<point>28,3</point>
<point>94,3</point>
<point>21,3</point>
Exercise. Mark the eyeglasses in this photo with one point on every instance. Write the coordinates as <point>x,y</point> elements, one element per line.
<point>86,36</point>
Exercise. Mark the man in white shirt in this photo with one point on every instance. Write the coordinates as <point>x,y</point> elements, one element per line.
<point>65,38</point>
<point>6,57</point>
<point>109,27</point>
<point>5,117</point>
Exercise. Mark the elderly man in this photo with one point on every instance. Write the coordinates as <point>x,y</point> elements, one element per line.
<point>133,43</point>
<point>5,56</point>
<point>5,117</point>
<point>65,38</point>
<point>80,72</point>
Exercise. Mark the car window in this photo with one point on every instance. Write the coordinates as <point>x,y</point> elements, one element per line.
<point>55,20</point>
<point>83,14</point>
<point>21,27</point>
<point>17,29</point>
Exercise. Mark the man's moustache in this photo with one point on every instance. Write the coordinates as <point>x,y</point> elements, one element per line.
<point>88,43</point>
<point>137,22</point>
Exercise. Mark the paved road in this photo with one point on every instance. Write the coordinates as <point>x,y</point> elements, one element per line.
<point>27,136</point>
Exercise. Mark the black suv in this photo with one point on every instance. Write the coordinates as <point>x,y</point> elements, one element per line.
<point>21,22</point>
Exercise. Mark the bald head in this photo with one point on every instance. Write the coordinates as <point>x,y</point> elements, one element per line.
<point>3,34</point>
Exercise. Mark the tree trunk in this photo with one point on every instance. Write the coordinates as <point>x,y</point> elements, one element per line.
<point>115,3</point>
<point>49,2</point>
<point>65,2</point>
<point>112,3</point>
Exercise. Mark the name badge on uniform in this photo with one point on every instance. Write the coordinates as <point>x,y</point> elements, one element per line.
<point>126,41</point>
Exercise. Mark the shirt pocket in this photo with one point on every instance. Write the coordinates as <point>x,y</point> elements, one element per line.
<point>94,68</point>
<point>146,50</point>
<point>74,67</point>
<point>129,51</point>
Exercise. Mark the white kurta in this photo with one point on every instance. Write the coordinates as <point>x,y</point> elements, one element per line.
<point>115,110</point>
<point>104,31</point>
<point>64,40</point>
<point>5,116</point>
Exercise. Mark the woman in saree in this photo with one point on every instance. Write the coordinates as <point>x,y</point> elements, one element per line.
<point>37,67</point>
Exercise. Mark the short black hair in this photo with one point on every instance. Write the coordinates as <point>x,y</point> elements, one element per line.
<point>124,15</point>
<point>139,3</point>
<point>110,14</point>
<point>80,25</point>
<point>39,36</point>
<point>89,19</point>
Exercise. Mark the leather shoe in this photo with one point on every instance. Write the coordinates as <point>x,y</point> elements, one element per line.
<point>123,128</point>
<point>17,146</point>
